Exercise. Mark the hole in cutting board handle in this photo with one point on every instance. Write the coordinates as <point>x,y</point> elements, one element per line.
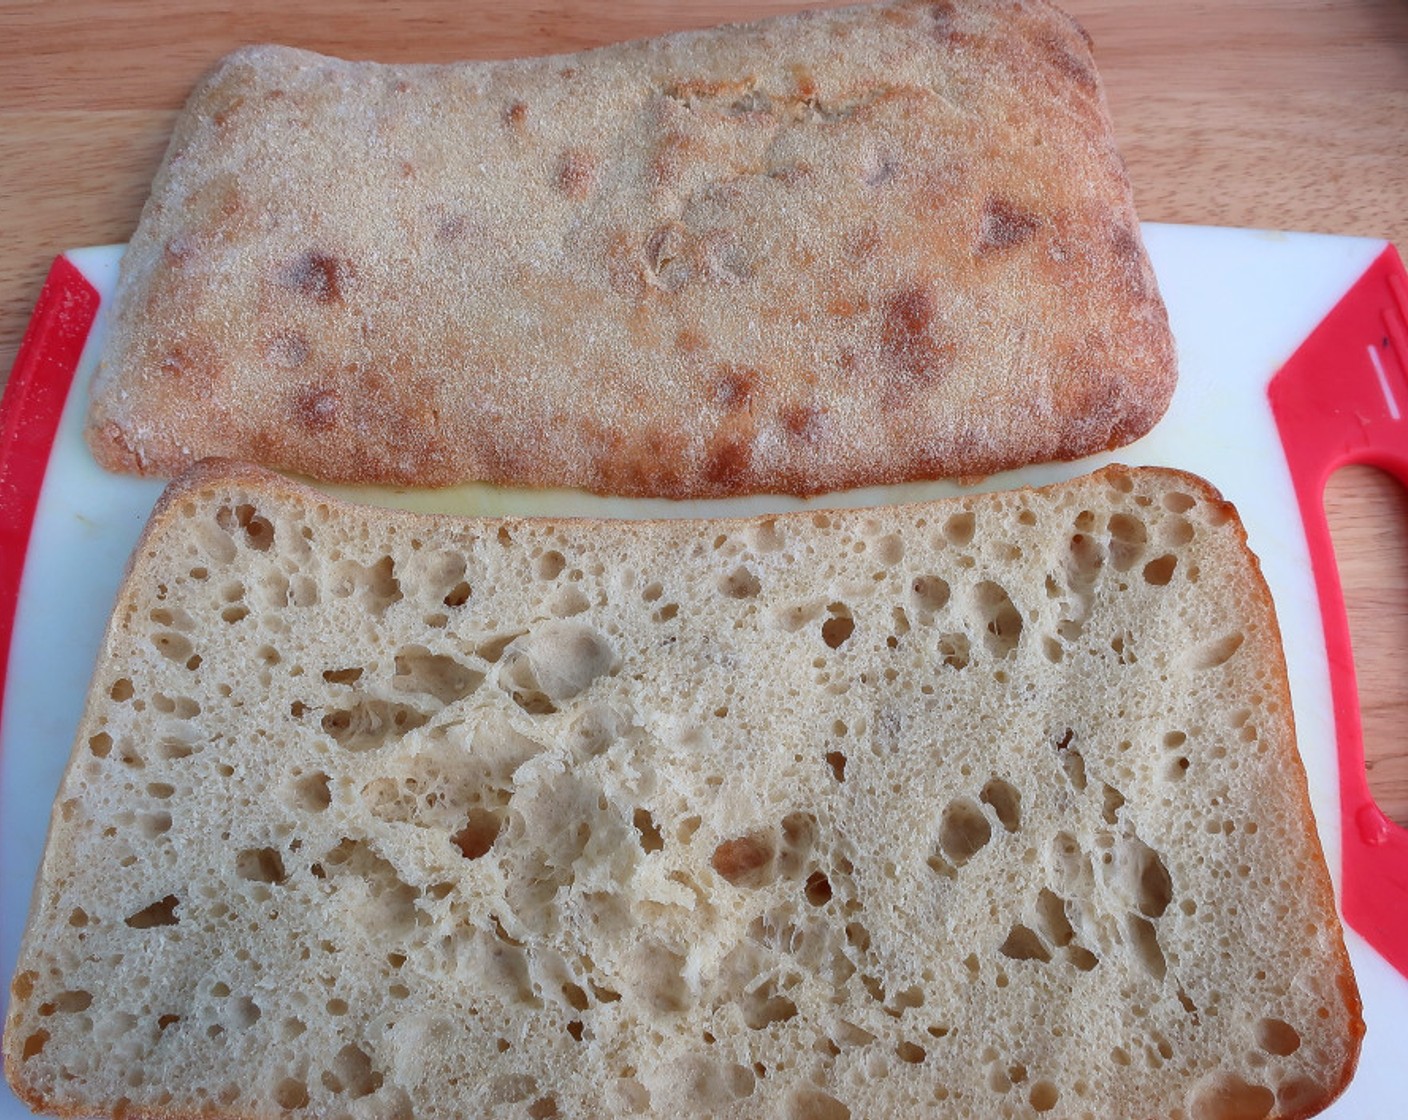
<point>1367,512</point>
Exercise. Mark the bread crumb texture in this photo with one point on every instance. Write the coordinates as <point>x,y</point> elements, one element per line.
<point>981,808</point>
<point>826,250</point>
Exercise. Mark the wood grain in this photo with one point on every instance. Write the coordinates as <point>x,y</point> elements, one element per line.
<point>1289,114</point>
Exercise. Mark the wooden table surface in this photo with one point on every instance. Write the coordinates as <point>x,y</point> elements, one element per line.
<point>1289,114</point>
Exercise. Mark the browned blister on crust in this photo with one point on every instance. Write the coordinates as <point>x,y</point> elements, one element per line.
<point>821,251</point>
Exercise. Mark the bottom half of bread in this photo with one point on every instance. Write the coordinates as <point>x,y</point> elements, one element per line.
<point>707,855</point>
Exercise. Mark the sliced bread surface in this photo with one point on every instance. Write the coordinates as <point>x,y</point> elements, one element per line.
<point>984,807</point>
<point>825,250</point>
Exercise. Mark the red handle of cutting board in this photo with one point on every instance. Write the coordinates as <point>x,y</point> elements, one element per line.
<point>1343,398</point>
<point>29,418</point>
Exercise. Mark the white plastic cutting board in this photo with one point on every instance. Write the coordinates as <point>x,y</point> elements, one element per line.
<point>1240,303</point>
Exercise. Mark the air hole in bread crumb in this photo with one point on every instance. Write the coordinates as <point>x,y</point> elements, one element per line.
<point>575,997</point>
<point>260,865</point>
<point>1159,572</point>
<point>1128,539</point>
<point>838,627</point>
<point>1082,958</point>
<point>68,1003</point>
<point>550,564</point>
<point>813,1104</point>
<point>100,744</point>
<point>963,830</point>
<point>291,1094</point>
<point>258,532</point>
<point>1043,1096</point>
<point>352,1068</point>
<point>244,1013</point>
<point>371,723</point>
<point>159,913</point>
<point>173,646</point>
<point>931,593</point>
<point>1006,802</point>
<point>793,618</point>
<point>1227,1096</point>
<point>1278,1037</point>
<point>1111,801</point>
<point>121,690</point>
<point>837,761</point>
<point>1002,620</point>
<point>650,838</point>
<point>762,1007</point>
<point>958,529</point>
<point>740,584</point>
<point>818,889</point>
<point>1051,918</point>
<point>1219,651</point>
<point>312,793</point>
<point>746,861</point>
<point>889,549</point>
<point>438,675</point>
<point>1024,945</point>
<point>666,613</point>
<point>1073,766</point>
<point>568,602</point>
<point>911,1052</point>
<point>478,835</point>
<point>1144,944</point>
<point>342,676</point>
<point>955,650</point>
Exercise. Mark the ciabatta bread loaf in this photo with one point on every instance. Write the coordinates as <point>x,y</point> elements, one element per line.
<point>987,807</point>
<point>826,250</point>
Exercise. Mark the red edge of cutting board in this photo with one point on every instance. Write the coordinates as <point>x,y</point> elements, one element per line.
<point>1343,398</point>
<point>30,410</point>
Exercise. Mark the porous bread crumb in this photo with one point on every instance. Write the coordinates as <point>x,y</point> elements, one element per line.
<point>827,250</point>
<point>982,807</point>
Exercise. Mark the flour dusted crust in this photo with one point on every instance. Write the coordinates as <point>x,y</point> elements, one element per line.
<point>821,251</point>
<point>985,807</point>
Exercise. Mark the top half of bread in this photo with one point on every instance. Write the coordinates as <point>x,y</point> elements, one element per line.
<point>985,807</point>
<point>820,251</point>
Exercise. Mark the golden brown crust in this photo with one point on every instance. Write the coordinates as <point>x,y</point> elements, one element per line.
<point>822,251</point>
